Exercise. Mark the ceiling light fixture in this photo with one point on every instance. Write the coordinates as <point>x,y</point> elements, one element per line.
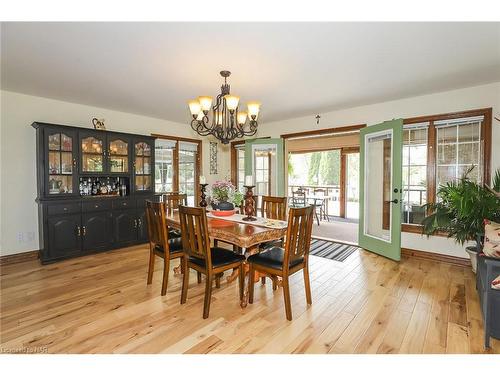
<point>227,122</point>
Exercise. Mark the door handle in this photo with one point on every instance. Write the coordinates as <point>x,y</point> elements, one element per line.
<point>395,201</point>
<point>84,230</point>
<point>78,231</point>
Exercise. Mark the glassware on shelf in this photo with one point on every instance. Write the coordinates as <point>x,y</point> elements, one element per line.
<point>60,164</point>
<point>118,151</point>
<point>92,155</point>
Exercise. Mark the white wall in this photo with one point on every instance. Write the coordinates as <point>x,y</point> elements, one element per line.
<point>18,216</point>
<point>451,101</point>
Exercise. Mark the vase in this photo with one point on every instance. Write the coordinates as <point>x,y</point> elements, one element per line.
<point>472,251</point>
<point>223,206</point>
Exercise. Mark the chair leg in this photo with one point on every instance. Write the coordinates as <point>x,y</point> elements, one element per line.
<point>208,295</point>
<point>316,214</point>
<point>198,275</point>
<point>217,280</point>
<point>286,294</point>
<point>166,270</point>
<point>185,280</point>
<point>241,279</point>
<point>263,280</point>
<point>251,283</point>
<point>151,267</point>
<point>275,284</point>
<point>307,285</point>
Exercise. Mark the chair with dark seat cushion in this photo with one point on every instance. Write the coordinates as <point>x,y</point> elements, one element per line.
<point>199,256</point>
<point>283,262</point>
<point>159,241</point>
<point>273,258</point>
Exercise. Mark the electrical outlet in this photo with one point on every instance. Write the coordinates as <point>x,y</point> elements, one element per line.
<point>20,237</point>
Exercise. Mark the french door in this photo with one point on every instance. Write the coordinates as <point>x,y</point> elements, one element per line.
<point>264,161</point>
<point>380,188</point>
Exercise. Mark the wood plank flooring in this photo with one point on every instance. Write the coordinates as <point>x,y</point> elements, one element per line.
<point>367,304</point>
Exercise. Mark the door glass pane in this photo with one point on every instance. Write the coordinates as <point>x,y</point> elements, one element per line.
<point>187,166</point>
<point>118,156</point>
<point>60,164</point>
<point>92,155</point>
<point>54,162</point>
<point>377,189</point>
<point>352,186</point>
<point>66,162</point>
<point>164,154</point>
<point>66,143</point>
<point>55,142</point>
<point>264,170</point>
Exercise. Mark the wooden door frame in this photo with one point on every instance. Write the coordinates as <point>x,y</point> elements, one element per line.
<point>344,151</point>
<point>175,162</point>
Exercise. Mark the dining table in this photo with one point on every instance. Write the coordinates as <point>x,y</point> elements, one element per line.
<point>245,235</point>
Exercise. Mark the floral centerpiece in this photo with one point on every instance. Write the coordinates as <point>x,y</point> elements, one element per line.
<point>225,196</point>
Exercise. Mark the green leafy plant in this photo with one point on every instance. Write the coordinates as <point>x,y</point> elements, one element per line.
<point>461,208</point>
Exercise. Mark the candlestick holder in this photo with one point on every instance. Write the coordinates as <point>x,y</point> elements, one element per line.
<point>203,201</point>
<point>249,205</point>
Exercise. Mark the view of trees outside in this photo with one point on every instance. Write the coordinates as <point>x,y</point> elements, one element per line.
<point>314,168</point>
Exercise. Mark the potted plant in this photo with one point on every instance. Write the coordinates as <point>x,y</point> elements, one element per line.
<point>460,211</point>
<point>225,196</point>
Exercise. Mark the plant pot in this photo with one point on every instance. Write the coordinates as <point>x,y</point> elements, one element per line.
<point>472,251</point>
<point>223,206</point>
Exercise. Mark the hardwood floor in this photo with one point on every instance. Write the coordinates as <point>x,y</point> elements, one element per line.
<point>367,304</point>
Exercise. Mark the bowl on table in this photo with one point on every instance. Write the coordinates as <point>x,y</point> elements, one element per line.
<point>222,213</point>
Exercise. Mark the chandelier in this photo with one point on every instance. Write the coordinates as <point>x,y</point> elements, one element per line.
<point>227,122</point>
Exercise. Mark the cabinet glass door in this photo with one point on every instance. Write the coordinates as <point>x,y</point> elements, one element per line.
<point>118,156</point>
<point>61,163</point>
<point>92,148</point>
<point>142,165</point>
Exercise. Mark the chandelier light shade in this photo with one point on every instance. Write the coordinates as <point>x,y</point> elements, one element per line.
<point>223,120</point>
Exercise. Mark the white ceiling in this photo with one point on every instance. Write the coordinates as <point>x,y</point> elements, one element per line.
<point>292,68</point>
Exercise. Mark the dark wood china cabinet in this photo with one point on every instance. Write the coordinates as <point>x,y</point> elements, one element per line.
<point>92,187</point>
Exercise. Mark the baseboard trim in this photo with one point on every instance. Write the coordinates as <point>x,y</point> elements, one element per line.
<point>19,258</point>
<point>419,254</point>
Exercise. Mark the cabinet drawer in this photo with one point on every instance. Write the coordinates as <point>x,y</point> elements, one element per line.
<point>96,206</point>
<point>122,203</point>
<point>63,208</point>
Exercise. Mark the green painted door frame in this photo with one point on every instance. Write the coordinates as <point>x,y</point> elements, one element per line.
<point>280,164</point>
<point>390,248</point>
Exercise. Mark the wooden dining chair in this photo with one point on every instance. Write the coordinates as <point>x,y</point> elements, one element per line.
<point>159,242</point>
<point>283,262</point>
<point>200,256</point>
<point>272,208</point>
<point>173,200</point>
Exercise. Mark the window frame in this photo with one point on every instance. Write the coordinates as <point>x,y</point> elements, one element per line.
<point>175,162</point>
<point>432,147</point>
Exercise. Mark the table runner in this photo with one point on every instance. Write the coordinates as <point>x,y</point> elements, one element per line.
<point>262,222</point>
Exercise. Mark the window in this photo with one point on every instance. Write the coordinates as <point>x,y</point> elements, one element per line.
<point>439,149</point>
<point>414,173</point>
<point>458,149</point>
<point>177,166</point>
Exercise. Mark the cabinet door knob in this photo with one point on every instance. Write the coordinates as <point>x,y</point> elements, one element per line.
<point>135,223</point>
<point>84,230</point>
<point>78,231</point>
